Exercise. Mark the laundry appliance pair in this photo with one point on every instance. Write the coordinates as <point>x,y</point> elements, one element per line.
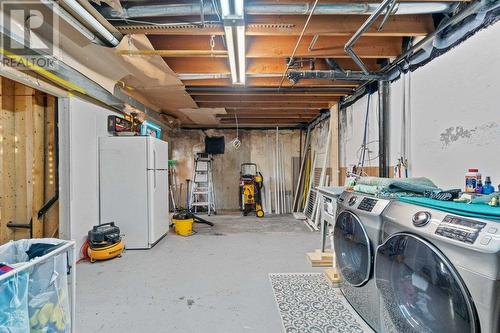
<point>408,268</point>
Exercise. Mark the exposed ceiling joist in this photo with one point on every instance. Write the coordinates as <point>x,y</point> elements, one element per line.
<point>282,47</point>
<point>272,82</point>
<point>340,25</point>
<point>256,65</point>
<point>266,99</point>
<point>198,55</point>
<point>281,105</point>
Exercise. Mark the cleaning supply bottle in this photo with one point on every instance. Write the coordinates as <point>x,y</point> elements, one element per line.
<point>471,179</point>
<point>488,188</point>
<point>479,187</point>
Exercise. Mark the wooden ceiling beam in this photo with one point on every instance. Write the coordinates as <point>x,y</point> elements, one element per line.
<point>255,65</point>
<point>272,82</point>
<point>243,119</point>
<point>267,99</point>
<point>269,114</point>
<point>265,111</point>
<point>338,25</point>
<point>282,46</point>
<point>281,105</point>
<point>311,94</point>
<point>291,25</point>
<point>269,121</point>
<point>366,47</point>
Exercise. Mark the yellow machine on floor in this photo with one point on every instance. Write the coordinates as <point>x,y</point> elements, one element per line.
<point>104,242</point>
<point>251,183</point>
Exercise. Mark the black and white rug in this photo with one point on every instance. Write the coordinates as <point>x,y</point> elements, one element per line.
<point>308,303</point>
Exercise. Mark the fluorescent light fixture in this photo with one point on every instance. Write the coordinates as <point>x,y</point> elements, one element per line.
<point>239,7</point>
<point>236,49</point>
<point>226,7</point>
<point>230,52</point>
<point>240,39</point>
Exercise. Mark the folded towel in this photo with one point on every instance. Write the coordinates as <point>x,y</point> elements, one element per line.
<point>394,186</point>
<point>470,210</point>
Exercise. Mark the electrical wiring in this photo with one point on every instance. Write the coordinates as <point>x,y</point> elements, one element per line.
<point>236,141</point>
<point>216,9</point>
<point>362,156</point>
<point>368,150</point>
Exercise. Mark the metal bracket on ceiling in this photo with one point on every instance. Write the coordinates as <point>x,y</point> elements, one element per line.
<point>365,26</point>
<point>390,11</point>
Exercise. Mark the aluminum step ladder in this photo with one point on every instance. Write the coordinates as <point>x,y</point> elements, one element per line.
<point>202,188</point>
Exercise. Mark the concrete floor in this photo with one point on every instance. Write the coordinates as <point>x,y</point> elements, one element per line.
<point>215,281</point>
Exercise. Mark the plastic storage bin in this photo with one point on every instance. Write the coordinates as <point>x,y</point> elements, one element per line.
<point>44,306</point>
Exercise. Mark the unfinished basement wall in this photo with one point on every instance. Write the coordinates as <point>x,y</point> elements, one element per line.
<point>27,170</point>
<point>257,146</point>
<point>454,121</point>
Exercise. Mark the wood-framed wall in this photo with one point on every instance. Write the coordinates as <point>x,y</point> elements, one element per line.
<point>27,160</point>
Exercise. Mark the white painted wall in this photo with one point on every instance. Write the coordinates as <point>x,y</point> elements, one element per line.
<point>352,127</point>
<point>81,124</point>
<point>455,114</point>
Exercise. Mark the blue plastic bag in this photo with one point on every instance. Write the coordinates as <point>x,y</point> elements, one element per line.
<point>14,304</point>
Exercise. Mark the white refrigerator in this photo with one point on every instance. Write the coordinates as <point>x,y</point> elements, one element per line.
<point>133,181</point>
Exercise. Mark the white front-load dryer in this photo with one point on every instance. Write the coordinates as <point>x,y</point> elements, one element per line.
<point>357,233</point>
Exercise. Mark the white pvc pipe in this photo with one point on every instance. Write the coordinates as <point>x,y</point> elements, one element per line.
<point>92,21</point>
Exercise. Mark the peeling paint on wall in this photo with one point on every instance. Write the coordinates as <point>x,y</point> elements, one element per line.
<point>452,134</point>
<point>478,135</point>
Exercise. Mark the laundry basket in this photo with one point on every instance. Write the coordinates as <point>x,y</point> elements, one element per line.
<point>42,299</point>
<point>14,316</point>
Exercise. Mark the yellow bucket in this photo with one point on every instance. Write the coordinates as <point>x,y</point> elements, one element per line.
<point>184,227</point>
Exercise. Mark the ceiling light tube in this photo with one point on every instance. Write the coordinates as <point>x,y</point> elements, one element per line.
<point>240,39</point>
<point>226,8</point>
<point>239,7</point>
<point>230,52</point>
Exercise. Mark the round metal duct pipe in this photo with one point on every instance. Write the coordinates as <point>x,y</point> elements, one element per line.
<point>277,9</point>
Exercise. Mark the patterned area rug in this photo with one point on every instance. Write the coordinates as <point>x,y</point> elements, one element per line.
<point>308,303</point>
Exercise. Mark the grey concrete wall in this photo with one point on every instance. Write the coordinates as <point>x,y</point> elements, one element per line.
<point>257,146</point>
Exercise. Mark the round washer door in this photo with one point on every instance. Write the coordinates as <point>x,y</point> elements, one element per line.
<point>352,249</point>
<point>420,289</point>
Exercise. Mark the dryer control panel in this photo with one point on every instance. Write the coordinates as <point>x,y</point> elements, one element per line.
<point>459,228</point>
<point>367,204</point>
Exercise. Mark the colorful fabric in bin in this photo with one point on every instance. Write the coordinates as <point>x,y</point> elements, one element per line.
<point>47,303</point>
<point>14,304</point>
<point>5,269</point>
<point>481,211</point>
<point>48,297</point>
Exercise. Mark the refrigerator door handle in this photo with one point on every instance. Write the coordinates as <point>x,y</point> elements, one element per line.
<point>154,165</point>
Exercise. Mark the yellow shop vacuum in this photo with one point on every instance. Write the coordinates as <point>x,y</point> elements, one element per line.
<point>251,183</point>
<point>104,242</point>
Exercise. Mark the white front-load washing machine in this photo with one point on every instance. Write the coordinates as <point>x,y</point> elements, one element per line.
<point>438,272</point>
<point>357,233</point>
